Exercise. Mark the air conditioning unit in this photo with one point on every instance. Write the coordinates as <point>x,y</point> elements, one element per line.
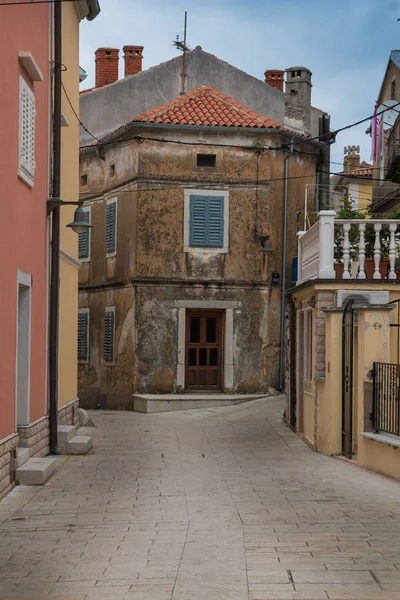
<point>362,297</point>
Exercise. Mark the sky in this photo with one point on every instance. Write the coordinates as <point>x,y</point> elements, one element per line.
<point>345,43</point>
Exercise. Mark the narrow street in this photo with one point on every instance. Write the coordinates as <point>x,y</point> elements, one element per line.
<point>215,504</point>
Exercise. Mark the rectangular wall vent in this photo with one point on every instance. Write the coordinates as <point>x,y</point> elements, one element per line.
<point>362,296</point>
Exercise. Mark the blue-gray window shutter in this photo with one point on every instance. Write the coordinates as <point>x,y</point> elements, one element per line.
<point>83,239</point>
<point>109,335</point>
<point>111,214</point>
<point>83,320</point>
<point>206,217</point>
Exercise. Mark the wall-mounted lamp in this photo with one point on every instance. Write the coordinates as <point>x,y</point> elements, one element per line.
<point>79,224</point>
<point>266,244</point>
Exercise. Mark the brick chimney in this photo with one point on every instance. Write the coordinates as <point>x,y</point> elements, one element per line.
<point>351,159</point>
<point>298,99</point>
<point>106,60</point>
<point>133,56</point>
<point>275,78</point>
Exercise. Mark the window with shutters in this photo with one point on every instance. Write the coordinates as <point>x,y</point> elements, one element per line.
<point>206,222</point>
<point>83,334</point>
<point>111,227</point>
<point>84,238</point>
<point>27,115</point>
<point>109,333</point>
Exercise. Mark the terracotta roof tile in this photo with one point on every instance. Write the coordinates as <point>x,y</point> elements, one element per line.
<point>204,106</point>
<point>359,172</point>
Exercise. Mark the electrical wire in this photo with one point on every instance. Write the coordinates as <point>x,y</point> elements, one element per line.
<point>76,114</point>
<point>179,186</point>
<point>32,2</point>
<point>254,148</point>
<point>340,129</point>
<point>195,185</point>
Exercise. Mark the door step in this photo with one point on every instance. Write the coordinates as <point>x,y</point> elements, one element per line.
<point>71,443</point>
<point>36,471</point>
<point>149,403</point>
<point>80,444</point>
<point>22,456</point>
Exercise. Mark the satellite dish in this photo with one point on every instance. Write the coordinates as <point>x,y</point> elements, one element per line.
<point>388,111</point>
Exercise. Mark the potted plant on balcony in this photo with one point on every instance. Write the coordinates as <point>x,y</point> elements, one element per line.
<point>346,211</point>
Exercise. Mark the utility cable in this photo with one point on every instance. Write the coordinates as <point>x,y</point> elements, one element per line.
<point>274,148</point>
<point>241,147</point>
<point>32,2</point>
<point>76,114</point>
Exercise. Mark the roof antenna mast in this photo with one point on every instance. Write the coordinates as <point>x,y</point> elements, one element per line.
<point>184,48</point>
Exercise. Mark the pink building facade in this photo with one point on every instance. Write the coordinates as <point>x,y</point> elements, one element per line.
<point>25,45</point>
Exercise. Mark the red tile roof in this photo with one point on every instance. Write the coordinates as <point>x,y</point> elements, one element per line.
<point>364,170</point>
<point>204,106</point>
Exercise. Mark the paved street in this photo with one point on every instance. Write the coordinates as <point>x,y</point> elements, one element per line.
<point>217,504</point>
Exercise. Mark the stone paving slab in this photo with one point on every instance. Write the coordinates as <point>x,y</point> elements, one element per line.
<point>212,504</point>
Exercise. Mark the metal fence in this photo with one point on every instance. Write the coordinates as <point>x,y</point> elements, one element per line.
<point>386,394</point>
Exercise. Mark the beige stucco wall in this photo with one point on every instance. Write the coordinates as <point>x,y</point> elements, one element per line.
<point>320,421</point>
<point>379,457</point>
<point>364,195</point>
<point>67,382</point>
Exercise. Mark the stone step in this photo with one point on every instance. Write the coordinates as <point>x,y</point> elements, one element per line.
<point>79,444</point>
<point>66,433</point>
<point>36,471</point>
<point>22,456</point>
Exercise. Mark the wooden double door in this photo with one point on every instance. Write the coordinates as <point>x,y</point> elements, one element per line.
<point>204,350</point>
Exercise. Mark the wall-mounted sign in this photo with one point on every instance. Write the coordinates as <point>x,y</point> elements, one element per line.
<point>275,279</point>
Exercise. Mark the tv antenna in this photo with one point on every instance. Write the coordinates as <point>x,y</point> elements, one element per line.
<point>183,47</point>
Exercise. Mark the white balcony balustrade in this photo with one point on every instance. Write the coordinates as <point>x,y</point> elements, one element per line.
<point>317,251</point>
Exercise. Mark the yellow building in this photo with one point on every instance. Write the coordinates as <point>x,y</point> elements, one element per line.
<point>344,346</point>
<point>72,14</point>
<point>355,181</point>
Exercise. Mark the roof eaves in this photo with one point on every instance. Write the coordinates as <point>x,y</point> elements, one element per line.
<point>117,135</point>
<point>394,58</point>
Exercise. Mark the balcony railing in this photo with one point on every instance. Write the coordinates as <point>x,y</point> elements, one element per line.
<point>316,249</point>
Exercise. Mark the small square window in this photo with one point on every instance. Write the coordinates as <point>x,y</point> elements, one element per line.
<point>84,180</point>
<point>112,170</point>
<point>206,160</point>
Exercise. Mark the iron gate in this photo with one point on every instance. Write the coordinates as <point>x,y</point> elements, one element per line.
<point>347,378</point>
<point>386,395</point>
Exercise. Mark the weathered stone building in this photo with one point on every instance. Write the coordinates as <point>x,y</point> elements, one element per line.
<point>176,284</point>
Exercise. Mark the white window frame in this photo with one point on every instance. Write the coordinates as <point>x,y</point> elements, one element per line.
<point>23,280</point>
<point>85,311</point>
<point>89,230</point>
<point>26,169</point>
<point>111,201</point>
<point>186,222</point>
<point>110,309</point>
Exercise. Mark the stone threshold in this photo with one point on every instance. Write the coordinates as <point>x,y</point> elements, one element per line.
<point>149,403</point>
<point>383,438</point>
